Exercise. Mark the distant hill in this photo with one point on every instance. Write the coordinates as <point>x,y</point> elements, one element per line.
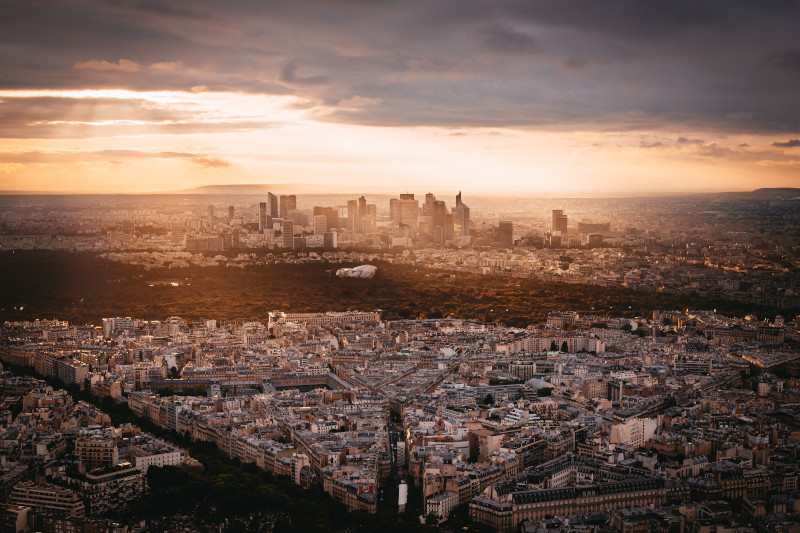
<point>775,193</point>
<point>254,188</point>
<point>312,189</point>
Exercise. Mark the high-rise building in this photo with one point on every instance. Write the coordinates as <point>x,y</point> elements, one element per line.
<point>264,219</point>
<point>405,211</point>
<point>287,203</point>
<point>370,219</point>
<point>461,217</point>
<point>427,207</point>
<point>439,232</point>
<point>352,214</point>
<point>435,223</point>
<point>272,205</point>
<point>362,207</point>
<point>559,222</point>
<point>287,238</point>
<point>320,224</point>
<point>330,213</point>
<point>506,234</point>
<point>448,228</point>
<point>330,239</point>
<point>298,217</point>
<point>230,213</point>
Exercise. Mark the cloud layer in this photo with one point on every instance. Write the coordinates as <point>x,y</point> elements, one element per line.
<point>578,64</point>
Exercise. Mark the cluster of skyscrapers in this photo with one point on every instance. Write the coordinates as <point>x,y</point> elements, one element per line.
<point>429,223</point>
<point>278,209</point>
<point>275,207</point>
<point>433,223</point>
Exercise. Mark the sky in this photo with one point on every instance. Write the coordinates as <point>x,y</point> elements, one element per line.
<point>550,97</point>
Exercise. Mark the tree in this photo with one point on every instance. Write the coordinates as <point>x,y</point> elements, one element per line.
<point>543,393</point>
<point>489,399</point>
<point>553,346</point>
<point>564,347</point>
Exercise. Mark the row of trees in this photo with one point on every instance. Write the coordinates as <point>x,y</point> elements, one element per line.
<point>83,288</point>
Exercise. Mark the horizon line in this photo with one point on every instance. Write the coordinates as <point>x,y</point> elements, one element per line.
<point>330,190</point>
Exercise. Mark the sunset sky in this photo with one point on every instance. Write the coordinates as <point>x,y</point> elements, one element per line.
<point>547,97</point>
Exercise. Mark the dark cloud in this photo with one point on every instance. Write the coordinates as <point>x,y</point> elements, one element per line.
<point>289,75</point>
<point>728,66</point>
<point>715,151</point>
<point>58,117</point>
<point>159,9</point>
<point>648,20</point>
<point>785,59</point>
<point>684,140</point>
<point>791,143</point>
<point>111,156</point>
<point>656,144</point>
<point>574,63</point>
<point>502,37</point>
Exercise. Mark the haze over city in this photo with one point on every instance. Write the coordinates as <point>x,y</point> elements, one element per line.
<point>546,97</point>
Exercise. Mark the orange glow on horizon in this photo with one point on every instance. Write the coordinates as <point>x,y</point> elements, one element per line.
<point>114,140</point>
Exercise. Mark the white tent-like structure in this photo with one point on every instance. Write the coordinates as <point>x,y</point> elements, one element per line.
<point>362,271</point>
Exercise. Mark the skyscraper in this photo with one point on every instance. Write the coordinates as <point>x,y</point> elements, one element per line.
<point>559,222</point>
<point>287,203</point>
<point>438,232</point>
<point>352,214</point>
<point>331,213</point>
<point>506,234</point>
<point>370,218</point>
<point>436,222</point>
<point>405,211</point>
<point>287,239</point>
<point>461,217</point>
<point>362,213</point>
<point>330,239</point>
<point>362,207</point>
<point>272,205</point>
<point>320,224</point>
<point>427,207</point>
<point>264,220</point>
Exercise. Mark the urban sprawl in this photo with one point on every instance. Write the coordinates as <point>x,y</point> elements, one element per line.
<point>676,421</point>
<point>683,420</point>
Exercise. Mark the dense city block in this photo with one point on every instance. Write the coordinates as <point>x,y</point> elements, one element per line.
<point>681,420</point>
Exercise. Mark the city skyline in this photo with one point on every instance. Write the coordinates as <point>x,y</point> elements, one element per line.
<point>538,97</point>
